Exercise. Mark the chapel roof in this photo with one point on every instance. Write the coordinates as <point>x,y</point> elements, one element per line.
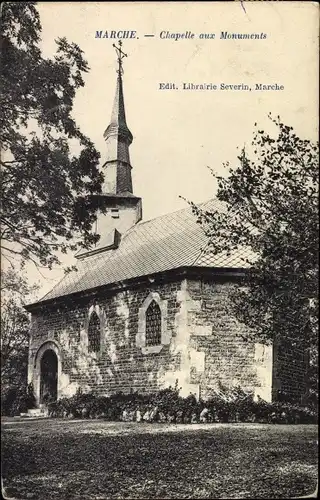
<point>168,242</point>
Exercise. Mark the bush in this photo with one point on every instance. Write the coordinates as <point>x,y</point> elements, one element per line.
<point>9,397</point>
<point>225,405</point>
<point>16,400</point>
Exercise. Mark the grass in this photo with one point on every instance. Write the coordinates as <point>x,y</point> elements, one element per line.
<point>49,459</point>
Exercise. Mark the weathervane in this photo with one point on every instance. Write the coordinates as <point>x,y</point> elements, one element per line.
<point>120,55</point>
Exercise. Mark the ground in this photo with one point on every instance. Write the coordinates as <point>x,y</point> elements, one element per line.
<point>96,460</point>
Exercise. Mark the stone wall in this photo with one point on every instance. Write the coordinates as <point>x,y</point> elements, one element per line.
<point>218,352</point>
<point>120,365</point>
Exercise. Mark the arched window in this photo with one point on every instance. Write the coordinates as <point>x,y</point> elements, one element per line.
<point>94,333</point>
<point>152,332</point>
<point>153,324</point>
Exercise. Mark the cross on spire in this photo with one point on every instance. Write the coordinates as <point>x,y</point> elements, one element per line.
<point>120,55</point>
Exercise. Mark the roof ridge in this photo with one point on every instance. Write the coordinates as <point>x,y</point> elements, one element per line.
<point>171,213</point>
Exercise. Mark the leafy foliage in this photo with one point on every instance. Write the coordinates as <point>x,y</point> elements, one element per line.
<point>17,399</point>
<point>168,406</point>
<point>47,192</point>
<point>271,209</point>
<point>15,292</point>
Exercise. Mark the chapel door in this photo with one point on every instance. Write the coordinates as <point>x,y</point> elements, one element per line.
<point>49,377</point>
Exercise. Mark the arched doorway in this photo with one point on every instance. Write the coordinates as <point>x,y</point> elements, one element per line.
<point>48,376</point>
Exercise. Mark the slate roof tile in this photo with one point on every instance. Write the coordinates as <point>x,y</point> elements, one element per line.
<point>167,242</point>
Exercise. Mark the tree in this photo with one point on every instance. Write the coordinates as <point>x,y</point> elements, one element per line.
<point>271,209</point>
<point>47,192</point>
<point>15,293</point>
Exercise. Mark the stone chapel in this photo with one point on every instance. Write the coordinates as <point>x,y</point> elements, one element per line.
<point>148,305</point>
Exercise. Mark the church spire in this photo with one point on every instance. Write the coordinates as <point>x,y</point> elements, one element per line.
<point>118,139</point>
<point>118,208</point>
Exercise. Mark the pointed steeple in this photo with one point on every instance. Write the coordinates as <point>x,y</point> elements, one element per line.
<point>117,167</point>
<point>118,126</point>
<point>118,208</point>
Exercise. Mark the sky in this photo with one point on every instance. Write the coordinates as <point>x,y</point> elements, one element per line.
<point>179,133</point>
